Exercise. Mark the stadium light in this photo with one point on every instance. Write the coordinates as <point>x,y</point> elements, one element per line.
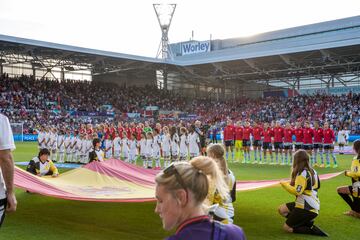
<point>164,14</point>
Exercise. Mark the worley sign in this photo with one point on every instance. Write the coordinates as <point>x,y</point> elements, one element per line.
<point>195,47</point>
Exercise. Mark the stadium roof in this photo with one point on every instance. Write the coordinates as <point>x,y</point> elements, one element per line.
<point>322,51</point>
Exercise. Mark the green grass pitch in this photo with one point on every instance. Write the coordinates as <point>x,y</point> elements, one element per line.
<point>39,217</point>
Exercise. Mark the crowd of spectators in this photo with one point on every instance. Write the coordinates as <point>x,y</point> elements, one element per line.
<point>39,102</point>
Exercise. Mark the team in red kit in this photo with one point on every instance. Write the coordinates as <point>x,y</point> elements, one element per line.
<point>280,140</point>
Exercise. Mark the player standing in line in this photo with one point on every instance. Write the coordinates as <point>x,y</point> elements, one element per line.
<point>257,134</point>
<point>53,144</point>
<point>229,134</point>
<point>142,146</point>
<point>174,140</point>
<point>117,146</point>
<point>341,138</point>
<point>268,134</point>
<point>41,138</point>
<point>156,148</point>
<point>149,149</point>
<point>108,145</point>
<point>329,139</point>
<point>239,151</point>
<point>67,145</point>
<point>299,136</point>
<point>61,145</point>
<point>139,131</point>
<point>132,148</point>
<point>184,143</point>
<point>120,129</point>
<point>79,148</point>
<point>125,147</point>
<point>74,141</point>
<point>318,144</point>
<point>246,141</point>
<point>47,138</point>
<point>84,150</point>
<point>194,142</point>
<point>89,146</point>
<point>308,140</point>
<point>89,129</point>
<point>278,142</point>
<point>165,144</point>
<point>288,143</point>
<point>112,131</point>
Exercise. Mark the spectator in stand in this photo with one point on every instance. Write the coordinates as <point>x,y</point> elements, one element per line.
<point>23,99</point>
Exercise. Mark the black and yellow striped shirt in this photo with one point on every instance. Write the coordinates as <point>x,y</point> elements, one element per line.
<point>305,191</point>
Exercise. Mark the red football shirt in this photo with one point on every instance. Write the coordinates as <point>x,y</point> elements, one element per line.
<point>257,133</point>
<point>268,133</point>
<point>121,130</point>
<point>329,136</point>
<point>106,133</point>
<point>308,135</point>
<point>246,133</point>
<point>278,134</point>
<point>82,131</point>
<point>299,135</point>
<point>112,133</point>
<point>128,132</point>
<point>318,135</point>
<point>288,133</point>
<point>138,133</point>
<point>89,131</point>
<point>238,133</point>
<point>229,133</point>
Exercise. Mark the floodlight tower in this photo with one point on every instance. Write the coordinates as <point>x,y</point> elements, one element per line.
<point>164,14</point>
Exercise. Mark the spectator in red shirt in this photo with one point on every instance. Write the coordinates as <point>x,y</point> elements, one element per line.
<point>329,139</point>
<point>278,141</point>
<point>229,134</point>
<point>246,141</point>
<point>257,134</point>
<point>288,146</point>
<point>239,151</point>
<point>318,143</point>
<point>268,134</point>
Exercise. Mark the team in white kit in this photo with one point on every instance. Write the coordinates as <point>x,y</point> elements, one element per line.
<point>74,147</point>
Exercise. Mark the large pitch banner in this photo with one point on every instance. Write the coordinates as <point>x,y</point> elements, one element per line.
<point>195,47</point>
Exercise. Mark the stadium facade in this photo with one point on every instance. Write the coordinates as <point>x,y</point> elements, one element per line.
<point>317,56</point>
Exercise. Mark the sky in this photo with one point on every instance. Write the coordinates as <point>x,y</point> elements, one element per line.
<point>131,26</point>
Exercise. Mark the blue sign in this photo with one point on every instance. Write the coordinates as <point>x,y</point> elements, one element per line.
<point>195,47</point>
<point>25,137</point>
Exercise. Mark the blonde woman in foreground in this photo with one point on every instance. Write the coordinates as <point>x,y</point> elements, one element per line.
<point>181,190</point>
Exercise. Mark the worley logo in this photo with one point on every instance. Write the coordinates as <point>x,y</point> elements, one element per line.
<point>195,47</point>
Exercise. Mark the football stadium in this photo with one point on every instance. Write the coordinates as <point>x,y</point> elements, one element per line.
<point>252,137</point>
